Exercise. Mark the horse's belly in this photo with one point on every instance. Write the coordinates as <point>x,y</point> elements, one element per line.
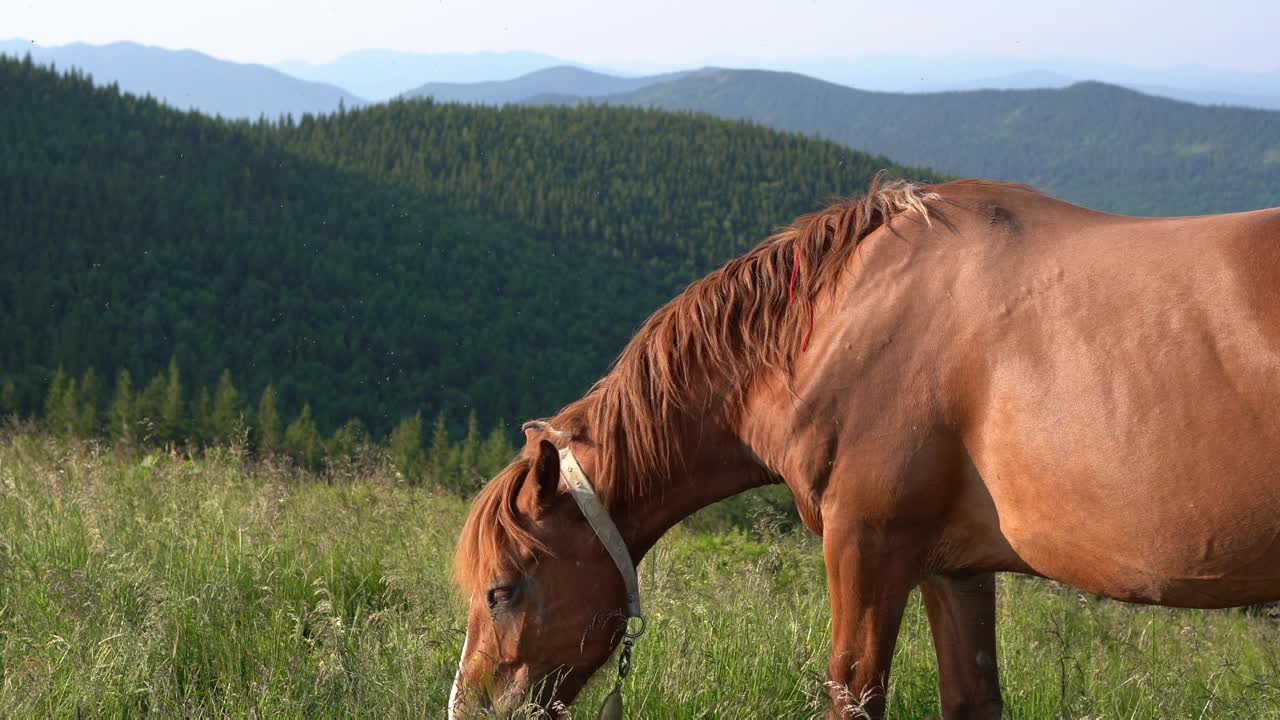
<point>1135,582</point>
<point>1226,556</point>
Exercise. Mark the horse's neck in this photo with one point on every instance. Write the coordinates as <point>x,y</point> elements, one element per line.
<point>713,463</point>
<point>715,472</point>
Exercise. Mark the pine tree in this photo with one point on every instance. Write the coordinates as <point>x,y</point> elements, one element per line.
<point>120,417</point>
<point>302,440</point>
<point>61,407</point>
<point>148,410</point>
<point>86,419</point>
<point>469,451</point>
<point>347,441</point>
<point>202,432</point>
<point>171,417</point>
<point>267,425</point>
<point>467,477</point>
<point>53,416</point>
<point>228,419</point>
<point>406,449</point>
<point>496,452</point>
<point>68,413</point>
<point>440,456</point>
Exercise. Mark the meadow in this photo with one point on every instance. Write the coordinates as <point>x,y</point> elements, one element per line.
<point>140,583</point>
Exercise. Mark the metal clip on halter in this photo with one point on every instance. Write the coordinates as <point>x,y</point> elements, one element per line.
<point>612,707</point>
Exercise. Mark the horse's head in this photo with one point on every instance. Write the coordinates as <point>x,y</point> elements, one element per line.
<point>546,600</point>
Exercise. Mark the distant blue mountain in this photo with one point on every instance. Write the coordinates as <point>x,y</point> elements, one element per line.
<point>914,74</point>
<point>886,73</point>
<point>1021,80</point>
<point>565,83</point>
<point>188,79</point>
<point>383,74</point>
<point>1212,97</point>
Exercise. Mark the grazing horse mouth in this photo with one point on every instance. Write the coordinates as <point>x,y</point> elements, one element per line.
<point>519,701</point>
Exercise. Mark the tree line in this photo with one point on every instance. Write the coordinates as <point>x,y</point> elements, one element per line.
<point>164,413</point>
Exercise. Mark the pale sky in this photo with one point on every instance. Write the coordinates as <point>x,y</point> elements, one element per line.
<point>1238,34</point>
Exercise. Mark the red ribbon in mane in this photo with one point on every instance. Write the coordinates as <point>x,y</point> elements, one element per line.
<point>791,296</point>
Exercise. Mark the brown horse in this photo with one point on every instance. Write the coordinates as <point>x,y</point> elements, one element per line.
<point>971,378</point>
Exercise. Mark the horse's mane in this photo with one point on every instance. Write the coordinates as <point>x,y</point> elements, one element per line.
<point>703,347</point>
<point>726,327</point>
<point>494,538</point>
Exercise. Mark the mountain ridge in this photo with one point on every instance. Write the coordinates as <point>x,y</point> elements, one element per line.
<point>384,74</point>
<point>560,80</point>
<point>191,80</point>
<point>1096,144</point>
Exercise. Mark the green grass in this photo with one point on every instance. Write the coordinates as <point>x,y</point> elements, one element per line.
<point>143,584</point>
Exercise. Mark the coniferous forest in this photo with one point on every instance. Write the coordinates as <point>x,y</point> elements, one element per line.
<point>182,278</point>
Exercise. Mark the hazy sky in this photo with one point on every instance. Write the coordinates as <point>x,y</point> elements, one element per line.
<point>1227,33</point>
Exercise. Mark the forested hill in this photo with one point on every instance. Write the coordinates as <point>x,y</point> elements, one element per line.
<point>665,196</point>
<point>1098,145</point>
<point>375,263</point>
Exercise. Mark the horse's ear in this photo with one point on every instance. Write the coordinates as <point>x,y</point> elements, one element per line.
<point>531,429</point>
<point>544,477</point>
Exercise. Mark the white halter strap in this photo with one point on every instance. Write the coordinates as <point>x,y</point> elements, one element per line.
<point>585,495</point>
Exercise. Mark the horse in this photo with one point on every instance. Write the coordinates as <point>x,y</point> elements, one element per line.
<point>953,380</point>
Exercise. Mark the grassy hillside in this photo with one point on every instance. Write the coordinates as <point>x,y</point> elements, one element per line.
<point>137,585</point>
<point>407,257</point>
<point>1099,145</point>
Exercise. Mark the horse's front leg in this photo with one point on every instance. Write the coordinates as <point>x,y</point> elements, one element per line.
<point>870,573</point>
<point>962,618</point>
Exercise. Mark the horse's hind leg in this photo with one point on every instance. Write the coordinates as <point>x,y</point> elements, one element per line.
<point>962,618</point>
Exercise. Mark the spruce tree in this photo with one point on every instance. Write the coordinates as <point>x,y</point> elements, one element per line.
<point>86,419</point>
<point>171,416</point>
<point>67,417</point>
<point>440,456</point>
<point>202,432</point>
<point>228,419</point>
<point>496,452</point>
<point>53,416</point>
<point>469,451</point>
<point>120,417</point>
<point>406,449</point>
<point>148,410</point>
<point>267,423</point>
<point>467,475</point>
<point>347,441</point>
<point>61,406</point>
<point>302,440</point>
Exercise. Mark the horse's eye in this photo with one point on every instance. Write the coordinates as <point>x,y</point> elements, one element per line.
<point>501,595</point>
